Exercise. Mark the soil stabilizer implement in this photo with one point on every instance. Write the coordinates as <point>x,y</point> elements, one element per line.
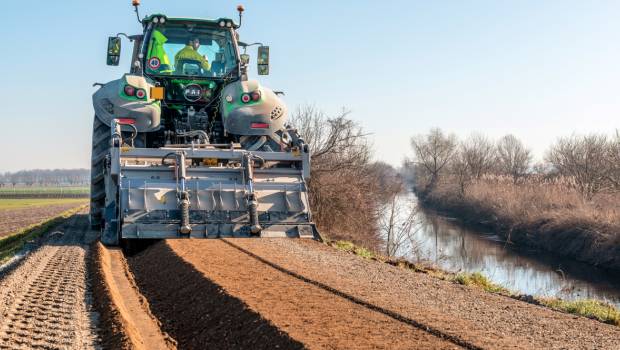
<point>185,145</point>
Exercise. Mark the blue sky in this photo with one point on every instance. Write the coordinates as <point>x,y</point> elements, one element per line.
<point>537,69</point>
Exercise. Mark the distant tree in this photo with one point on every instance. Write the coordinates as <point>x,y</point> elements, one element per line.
<point>585,160</point>
<point>479,154</point>
<point>513,158</point>
<point>389,181</point>
<point>55,177</point>
<point>432,153</point>
<point>613,161</point>
<point>459,168</point>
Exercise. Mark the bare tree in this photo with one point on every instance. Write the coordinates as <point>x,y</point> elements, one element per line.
<point>513,158</point>
<point>479,153</point>
<point>433,152</point>
<point>459,169</point>
<point>344,185</point>
<point>399,222</point>
<point>336,143</point>
<point>584,159</point>
<point>613,161</point>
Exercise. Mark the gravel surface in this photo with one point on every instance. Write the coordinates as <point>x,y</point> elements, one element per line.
<point>44,302</point>
<point>484,319</point>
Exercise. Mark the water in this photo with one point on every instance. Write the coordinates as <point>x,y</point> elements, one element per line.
<point>445,243</point>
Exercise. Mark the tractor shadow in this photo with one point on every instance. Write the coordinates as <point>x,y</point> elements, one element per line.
<point>197,312</point>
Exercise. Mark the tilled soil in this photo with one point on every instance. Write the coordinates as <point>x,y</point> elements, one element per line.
<point>126,320</point>
<point>12,220</point>
<point>209,294</point>
<point>250,293</point>
<point>44,302</point>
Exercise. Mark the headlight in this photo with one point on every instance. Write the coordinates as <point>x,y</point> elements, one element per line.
<point>222,24</point>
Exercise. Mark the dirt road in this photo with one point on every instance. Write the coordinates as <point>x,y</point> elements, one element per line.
<point>44,302</point>
<point>246,293</point>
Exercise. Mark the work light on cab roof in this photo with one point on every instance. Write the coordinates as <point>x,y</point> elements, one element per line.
<point>187,145</point>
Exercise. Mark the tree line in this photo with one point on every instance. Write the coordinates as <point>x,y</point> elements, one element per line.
<point>591,162</point>
<point>46,177</point>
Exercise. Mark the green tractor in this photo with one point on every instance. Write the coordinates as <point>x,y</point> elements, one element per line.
<point>186,145</point>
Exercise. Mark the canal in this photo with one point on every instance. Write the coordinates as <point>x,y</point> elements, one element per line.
<point>442,241</point>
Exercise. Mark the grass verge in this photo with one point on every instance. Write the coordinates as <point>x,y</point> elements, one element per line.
<point>589,308</point>
<point>10,245</point>
<point>477,279</point>
<point>36,202</point>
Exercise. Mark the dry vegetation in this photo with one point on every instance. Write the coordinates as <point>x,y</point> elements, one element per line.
<point>568,205</point>
<point>346,188</point>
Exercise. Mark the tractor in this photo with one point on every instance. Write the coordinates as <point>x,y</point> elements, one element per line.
<point>186,145</point>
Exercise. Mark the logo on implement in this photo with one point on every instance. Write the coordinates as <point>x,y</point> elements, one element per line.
<point>154,62</point>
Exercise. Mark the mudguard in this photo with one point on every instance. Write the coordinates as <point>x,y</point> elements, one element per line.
<point>239,117</point>
<point>111,102</point>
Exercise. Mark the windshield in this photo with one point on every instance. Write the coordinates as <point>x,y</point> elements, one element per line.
<point>188,49</point>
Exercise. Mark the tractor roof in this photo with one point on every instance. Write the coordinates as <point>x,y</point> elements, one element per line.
<point>184,19</point>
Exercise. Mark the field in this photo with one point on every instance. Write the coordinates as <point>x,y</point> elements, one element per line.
<point>44,192</point>
<point>17,214</point>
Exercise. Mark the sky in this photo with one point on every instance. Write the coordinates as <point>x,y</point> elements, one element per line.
<point>536,69</point>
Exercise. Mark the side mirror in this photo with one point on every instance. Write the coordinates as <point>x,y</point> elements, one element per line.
<point>114,50</point>
<point>263,60</point>
<point>245,58</point>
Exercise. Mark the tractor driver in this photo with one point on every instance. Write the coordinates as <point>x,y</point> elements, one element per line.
<point>190,52</point>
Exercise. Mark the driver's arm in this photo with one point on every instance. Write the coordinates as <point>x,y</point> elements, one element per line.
<point>205,63</point>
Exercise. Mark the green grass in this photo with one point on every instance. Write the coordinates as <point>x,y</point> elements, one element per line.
<point>45,190</point>
<point>34,202</point>
<point>12,244</point>
<point>590,308</point>
<point>352,248</point>
<point>477,279</point>
<point>586,307</point>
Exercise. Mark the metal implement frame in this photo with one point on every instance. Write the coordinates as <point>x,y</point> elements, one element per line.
<point>243,194</point>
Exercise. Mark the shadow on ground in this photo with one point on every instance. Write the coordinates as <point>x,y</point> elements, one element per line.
<point>197,312</point>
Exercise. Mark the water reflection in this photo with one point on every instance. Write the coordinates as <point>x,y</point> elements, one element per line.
<point>441,241</point>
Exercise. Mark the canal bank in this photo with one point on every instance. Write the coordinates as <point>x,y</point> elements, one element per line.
<point>447,243</point>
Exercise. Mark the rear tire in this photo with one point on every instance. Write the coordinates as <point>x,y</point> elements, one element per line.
<point>100,149</point>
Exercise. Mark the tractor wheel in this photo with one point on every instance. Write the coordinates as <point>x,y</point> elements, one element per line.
<point>100,148</point>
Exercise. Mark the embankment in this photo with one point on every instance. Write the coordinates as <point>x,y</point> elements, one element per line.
<point>530,216</point>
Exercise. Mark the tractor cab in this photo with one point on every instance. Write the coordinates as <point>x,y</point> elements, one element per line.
<point>186,48</point>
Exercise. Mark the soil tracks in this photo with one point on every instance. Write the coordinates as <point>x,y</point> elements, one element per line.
<point>44,303</point>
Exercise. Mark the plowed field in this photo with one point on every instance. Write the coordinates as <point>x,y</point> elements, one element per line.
<point>16,214</point>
